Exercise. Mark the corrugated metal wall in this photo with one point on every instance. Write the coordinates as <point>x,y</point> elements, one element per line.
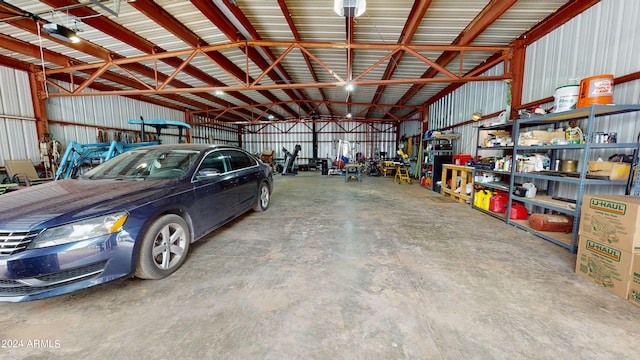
<point>212,133</point>
<point>18,139</point>
<point>457,107</point>
<point>600,41</point>
<point>368,139</point>
<point>80,118</point>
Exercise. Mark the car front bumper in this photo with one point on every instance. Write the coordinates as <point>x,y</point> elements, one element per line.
<point>40,273</point>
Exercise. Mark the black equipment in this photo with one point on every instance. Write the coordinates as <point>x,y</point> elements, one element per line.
<point>325,167</point>
<point>373,169</point>
<point>289,158</point>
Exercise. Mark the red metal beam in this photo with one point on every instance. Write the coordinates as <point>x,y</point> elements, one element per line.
<point>517,73</point>
<point>209,10</point>
<point>14,63</point>
<point>565,13</point>
<point>544,27</point>
<point>111,28</point>
<point>32,26</point>
<point>484,19</point>
<point>296,36</point>
<point>255,56</point>
<point>107,88</point>
<point>406,36</point>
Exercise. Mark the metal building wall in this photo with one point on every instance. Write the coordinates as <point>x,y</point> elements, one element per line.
<point>368,139</point>
<point>600,41</point>
<point>80,118</point>
<point>457,107</point>
<point>213,133</point>
<point>18,136</point>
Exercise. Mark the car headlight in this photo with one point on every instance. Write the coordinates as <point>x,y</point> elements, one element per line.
<point>80,230</point>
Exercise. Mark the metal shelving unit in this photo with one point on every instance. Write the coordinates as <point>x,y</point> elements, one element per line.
<point>589,114</point>
<point>501,185</point>
<point>436,157</point>
<point>579,180</point>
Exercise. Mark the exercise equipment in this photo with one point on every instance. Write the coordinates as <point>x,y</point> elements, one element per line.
<point>289,158</point>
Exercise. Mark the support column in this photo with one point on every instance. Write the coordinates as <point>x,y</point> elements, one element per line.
<point>187,119</point>
<point>38,98</point>
<point>517,76</point>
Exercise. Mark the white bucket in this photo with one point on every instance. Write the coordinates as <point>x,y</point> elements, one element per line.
<point>566,98</point>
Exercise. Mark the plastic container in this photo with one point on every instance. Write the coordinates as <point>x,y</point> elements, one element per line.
<point>531,190</point>
<point>551,222</point>
<point>461,159</point>
<point>498,202</point>
<point>518,211</point>
<point>482,198</point>
<point>596,89</point>
<point>565,98</point>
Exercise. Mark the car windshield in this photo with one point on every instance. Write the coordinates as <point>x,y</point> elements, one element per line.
<point>145,164</point>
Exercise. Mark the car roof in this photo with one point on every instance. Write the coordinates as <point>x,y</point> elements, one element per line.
<point>196,147</point>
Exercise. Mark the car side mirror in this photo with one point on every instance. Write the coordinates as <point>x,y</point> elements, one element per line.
<point>207,173</point>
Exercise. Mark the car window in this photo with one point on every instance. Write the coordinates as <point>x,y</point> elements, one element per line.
<point>215,161</point>
<point>146,162</point>
<point>240,159</point>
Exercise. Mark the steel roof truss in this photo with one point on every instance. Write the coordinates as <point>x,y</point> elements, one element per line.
<point>304,47</point>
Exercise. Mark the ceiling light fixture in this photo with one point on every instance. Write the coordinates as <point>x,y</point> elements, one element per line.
<point>348,116</point>
<point>476,116</point>
<point>350,8</point>
<point>349,87</point>
<point>218,92</point>
<point>271,117</point>
<point>60,32</point>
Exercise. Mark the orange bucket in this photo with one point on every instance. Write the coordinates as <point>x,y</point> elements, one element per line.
<point>595,90</point>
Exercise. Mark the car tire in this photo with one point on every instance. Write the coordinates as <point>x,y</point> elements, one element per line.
<point>264,196</point>
<point>164,247</point>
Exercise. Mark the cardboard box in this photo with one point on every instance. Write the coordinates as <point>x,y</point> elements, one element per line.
<point>540,137</point>
<point>605,265</point>
<point>634,282</point>
<point>614,170</point>
<point>612,219</point>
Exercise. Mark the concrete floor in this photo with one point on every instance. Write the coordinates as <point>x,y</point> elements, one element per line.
<point>335,270</point>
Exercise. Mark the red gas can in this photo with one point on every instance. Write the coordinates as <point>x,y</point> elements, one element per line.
<point>498,202</point>
<point>518,211</point>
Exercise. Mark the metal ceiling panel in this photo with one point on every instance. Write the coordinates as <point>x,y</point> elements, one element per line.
<point>192,24</point>
<point>445,20</point>
<point>522,16</point>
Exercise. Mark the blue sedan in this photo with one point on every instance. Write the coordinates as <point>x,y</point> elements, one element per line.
<point>134,215</point>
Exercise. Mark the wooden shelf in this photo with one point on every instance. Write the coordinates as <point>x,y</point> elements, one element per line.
<point>455,173</point>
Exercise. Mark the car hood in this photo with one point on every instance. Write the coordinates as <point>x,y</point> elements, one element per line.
<point>67,200</point>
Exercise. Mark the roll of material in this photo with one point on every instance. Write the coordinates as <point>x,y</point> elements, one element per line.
<point>551,222</point>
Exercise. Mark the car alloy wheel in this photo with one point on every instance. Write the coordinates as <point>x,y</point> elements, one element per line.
<point>164,247</point>
<point>263,198</point>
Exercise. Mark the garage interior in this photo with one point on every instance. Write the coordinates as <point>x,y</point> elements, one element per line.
<point>393,119</point>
